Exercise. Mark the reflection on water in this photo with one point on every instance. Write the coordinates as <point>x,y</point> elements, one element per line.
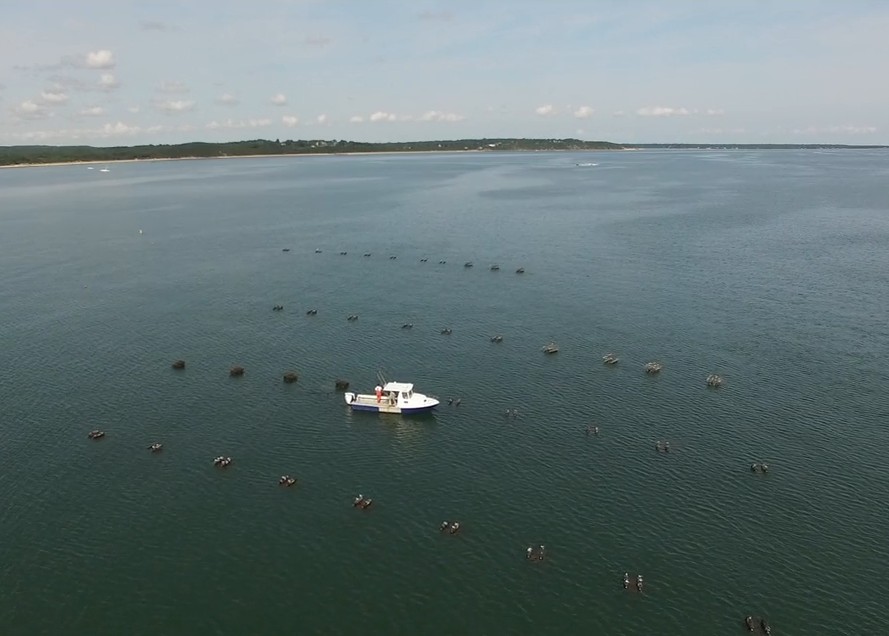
<point>404,427</point>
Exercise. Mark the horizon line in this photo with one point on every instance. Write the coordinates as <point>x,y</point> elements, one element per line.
<point>468,139</point>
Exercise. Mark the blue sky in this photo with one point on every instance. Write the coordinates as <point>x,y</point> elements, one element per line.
<point>124,72</point>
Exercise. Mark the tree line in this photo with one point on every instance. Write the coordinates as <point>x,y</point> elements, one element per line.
<point>13,155</point>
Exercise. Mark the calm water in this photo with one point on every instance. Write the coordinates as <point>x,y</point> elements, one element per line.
<point>769,268</point>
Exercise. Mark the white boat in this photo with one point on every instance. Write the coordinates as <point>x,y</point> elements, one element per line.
<point>391,397</point>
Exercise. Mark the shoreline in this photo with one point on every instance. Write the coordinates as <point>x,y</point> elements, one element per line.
<point>93,162</point>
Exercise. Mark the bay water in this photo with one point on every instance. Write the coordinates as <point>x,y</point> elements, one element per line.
<point>767,267</point>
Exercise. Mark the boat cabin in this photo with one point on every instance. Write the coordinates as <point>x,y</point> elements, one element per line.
<point>398,392</point>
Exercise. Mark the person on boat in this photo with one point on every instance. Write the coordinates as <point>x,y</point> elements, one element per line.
<point>626,580</point>
<point>530,553</point>
<point>749,623</point>
<point>379,391</point>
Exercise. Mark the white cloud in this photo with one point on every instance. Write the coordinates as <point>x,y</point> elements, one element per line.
<point>618,113</point>
<point>437,115</point>
<point>290,120</point>
<point>156,25</point>
<point>584,112</point>
<point>318,40</point>
<point>133,109</point>
<point>174,105</point>
<point>722,131</point>
<point>661,111</point>
<point>322,118</point>
<point>100,59</point>
<point>35,135</point>
<point>714,111</point>
<point>119,129</point>
<point>228,99</point>
<point>31,110</point>
<point>172,87</point>
<point>356,119</point>
<point>545,110</point>
<point>53,97</point>
<point>242,123</point>
<point>853,130</point>
<point>846,129</point>
<point>436,16</point>
<point>279,100</point>
<point>93,111</point>
<point>107,81</point>
<point>382,116</point>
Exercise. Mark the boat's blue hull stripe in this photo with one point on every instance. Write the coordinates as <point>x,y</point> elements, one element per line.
<point>362,407</point>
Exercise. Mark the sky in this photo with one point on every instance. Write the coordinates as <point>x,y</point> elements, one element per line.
<point>122,72</point>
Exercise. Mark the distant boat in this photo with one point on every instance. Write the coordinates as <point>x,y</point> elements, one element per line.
<point>586,165</point>
<point>392,397</point>
<point>104,170</point>
<point>90,168</point>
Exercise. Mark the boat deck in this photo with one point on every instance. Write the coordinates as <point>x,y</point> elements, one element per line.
<point>369,402</point>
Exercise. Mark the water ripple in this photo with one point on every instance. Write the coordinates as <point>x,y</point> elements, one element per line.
<point>644,261</point>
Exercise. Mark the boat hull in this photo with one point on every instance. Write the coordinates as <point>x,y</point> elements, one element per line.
<point>390,409</point>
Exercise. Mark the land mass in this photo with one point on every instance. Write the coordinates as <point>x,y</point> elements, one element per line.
<point>17,155</point>
<point>31,155</point>
<point>760,146</point>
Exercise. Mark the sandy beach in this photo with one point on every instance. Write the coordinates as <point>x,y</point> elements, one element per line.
<point>293,154</point>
